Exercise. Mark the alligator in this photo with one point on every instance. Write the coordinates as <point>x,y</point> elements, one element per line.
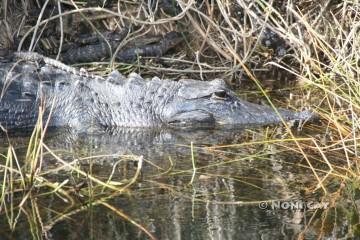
<point>96,47</point>
<point>99,49</point>
<point>34,85</point>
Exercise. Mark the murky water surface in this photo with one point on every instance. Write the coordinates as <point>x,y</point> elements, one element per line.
<point>249,190</point>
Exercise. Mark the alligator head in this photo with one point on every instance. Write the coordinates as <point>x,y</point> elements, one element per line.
<point>199,103</point>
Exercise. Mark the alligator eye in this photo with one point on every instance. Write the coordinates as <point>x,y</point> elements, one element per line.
<point>221,95</point>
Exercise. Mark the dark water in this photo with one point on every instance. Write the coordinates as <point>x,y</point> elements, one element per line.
<point>236,192</point>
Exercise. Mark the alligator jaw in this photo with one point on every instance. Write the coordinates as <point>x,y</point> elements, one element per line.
<point>240,112</point>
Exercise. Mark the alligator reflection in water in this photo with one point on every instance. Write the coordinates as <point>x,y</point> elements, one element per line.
<point>164,203</point>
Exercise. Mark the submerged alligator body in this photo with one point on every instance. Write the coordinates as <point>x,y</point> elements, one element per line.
<point>33,84</point>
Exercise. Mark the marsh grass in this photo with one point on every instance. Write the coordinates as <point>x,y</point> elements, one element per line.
<point>24,182</point>
<point>224,40</point>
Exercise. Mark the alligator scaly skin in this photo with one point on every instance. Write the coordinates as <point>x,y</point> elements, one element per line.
<point>40,59</point>
<point>75,98</point>
<point>94,48</point>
